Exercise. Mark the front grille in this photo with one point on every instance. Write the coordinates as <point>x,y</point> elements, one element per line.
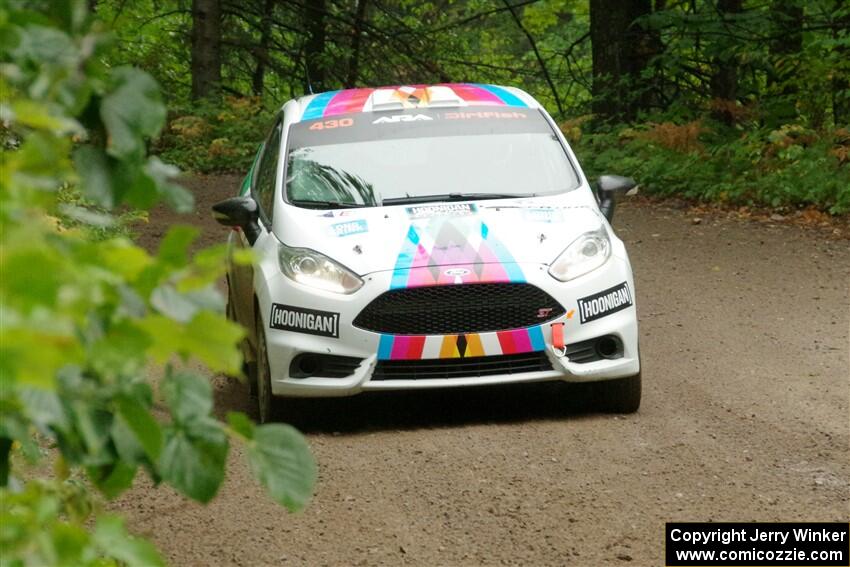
<point>462,308</point>
<point>461,367</point>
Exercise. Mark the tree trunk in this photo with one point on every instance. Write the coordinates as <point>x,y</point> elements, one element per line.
<point>784,56</point>
<point>840,80</point>
<point>314,49</point>
<point>262,53</point>
<point>621,50</point>
<point>206,48</point>
<point>724,78</point>
<point>354,57</point>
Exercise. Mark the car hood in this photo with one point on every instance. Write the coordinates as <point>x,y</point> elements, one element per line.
<point>484,240</point>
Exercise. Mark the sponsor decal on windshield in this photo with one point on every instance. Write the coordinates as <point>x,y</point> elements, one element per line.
<point>401,118</point>
<point>604,303</point>
<point>442,210</point>
<point>300,320</point>
<point>483,114</point>
<point>349,228</point>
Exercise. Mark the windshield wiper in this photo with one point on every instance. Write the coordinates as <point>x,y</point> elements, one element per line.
<point>452,197</point>
<point>311,204</point>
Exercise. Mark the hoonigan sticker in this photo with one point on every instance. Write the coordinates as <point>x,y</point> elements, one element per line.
<point>447,209</point>
<point>604,303</point>
<point>300,320</point>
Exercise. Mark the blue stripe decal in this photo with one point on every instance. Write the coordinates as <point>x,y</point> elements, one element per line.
<point>505,258</point>
<point>508,98</point>
<point>536,336</point>
<point>385,347</point>
<point>405,260</point>
<point>317,106</point>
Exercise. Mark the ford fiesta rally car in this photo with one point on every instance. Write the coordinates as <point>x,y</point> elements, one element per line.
<point>427,236</point>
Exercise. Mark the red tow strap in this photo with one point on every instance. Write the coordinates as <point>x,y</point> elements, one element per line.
<point>558,335</point>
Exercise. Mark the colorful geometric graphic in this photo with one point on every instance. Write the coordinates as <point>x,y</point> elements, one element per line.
<point>346,101</point>
<point>418,347</point>
<point>452,250</point>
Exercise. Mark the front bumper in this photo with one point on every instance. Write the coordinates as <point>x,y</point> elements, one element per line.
<point>284,345</point>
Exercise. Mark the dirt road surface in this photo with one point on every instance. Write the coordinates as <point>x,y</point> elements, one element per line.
<point>744,337</point>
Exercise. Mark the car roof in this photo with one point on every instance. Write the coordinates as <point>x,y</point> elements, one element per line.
<point>404,97</point>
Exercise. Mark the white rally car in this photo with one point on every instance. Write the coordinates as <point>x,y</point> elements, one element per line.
<point>428,237</point>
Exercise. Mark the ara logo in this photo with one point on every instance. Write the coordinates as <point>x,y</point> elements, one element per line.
<point>401,118</point>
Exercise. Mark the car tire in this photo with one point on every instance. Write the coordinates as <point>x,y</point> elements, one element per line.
<point>621,395</point>
<point>267,404</point>
<point>249,369</point>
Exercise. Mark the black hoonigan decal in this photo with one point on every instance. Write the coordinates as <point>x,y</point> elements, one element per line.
<point>300,320</point>
<point>604,303</point>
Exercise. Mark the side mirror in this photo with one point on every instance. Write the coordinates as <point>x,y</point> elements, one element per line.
<point>609,186</point>
<point>241,212</point>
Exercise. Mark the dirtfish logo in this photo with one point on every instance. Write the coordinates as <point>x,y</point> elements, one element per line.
<point>401,118</point>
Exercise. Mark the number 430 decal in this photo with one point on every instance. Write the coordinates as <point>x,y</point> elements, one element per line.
<point>329,124</point>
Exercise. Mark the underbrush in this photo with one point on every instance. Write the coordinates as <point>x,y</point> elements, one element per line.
<point>206,138</point>
<point>787,167</point>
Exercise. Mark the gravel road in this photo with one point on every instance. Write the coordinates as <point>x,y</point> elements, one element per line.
<point>744,336</point>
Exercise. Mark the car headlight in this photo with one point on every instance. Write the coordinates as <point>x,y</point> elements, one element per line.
<point>313,269</point>
<point>585,254</point>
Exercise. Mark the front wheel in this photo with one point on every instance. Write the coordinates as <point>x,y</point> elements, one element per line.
<point>621,395</point>
<point>266,402</point>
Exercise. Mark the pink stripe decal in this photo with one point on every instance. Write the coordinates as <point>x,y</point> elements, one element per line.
<point>407,347</point>
<point>351,100</point>
<point>471,93</point>
<point>522,343</point>
<point>514,342</point>
<point>400,348</point>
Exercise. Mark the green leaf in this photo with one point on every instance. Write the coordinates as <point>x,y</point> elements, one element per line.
<point>112,539</point>
<point>184,306</point>
<point>194,457</point>
<point>114,479</point>
<point>214,341</point>
<point>132,112</point>
<point>163,175</point>
<point>95,176</point>
<point>44,408</point>
<point>121,350</point>
<point>189,397</point>
<point>146,429</point>
<point>174,248</point>
<point>241,424</point>
<point>208,336</point>
<point>281,460</point>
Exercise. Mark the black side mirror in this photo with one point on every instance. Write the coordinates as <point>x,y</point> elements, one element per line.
<point>609,186</point>
<point>242,212</point>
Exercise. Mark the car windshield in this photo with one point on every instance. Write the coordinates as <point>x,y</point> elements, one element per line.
<point>423,155</point>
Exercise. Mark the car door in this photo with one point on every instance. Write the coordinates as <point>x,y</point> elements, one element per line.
<point>262,190</point>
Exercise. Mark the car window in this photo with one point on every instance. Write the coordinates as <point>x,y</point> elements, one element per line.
<point>363,159</point>
<point>266,173</point>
